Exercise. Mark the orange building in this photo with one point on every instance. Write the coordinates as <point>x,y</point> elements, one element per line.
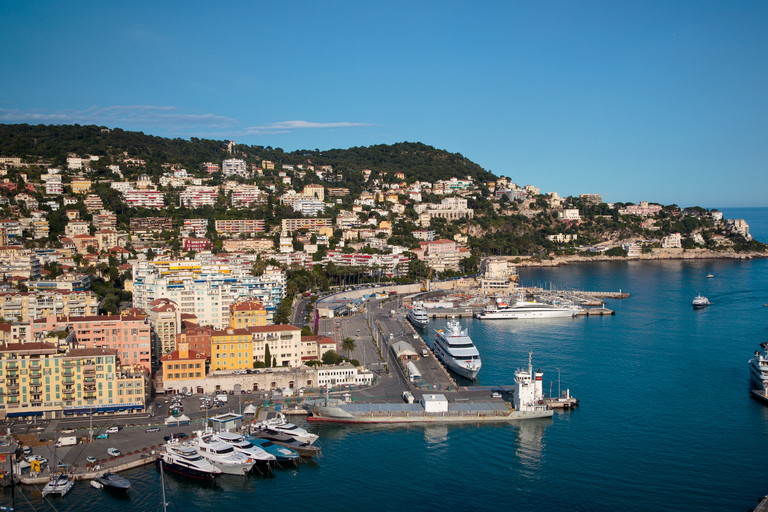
<point>180,366</point>
<point>247,313</point>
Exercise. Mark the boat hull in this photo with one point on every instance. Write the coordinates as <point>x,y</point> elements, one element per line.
<point>337,414</point>
<point>184,470</point>
<point>526,315</point>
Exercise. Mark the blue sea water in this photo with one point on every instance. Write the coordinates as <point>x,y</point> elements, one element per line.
<point>665,421</point>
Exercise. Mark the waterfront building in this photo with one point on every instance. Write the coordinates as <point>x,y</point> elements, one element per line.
<point>441,255</point>
<point>284,343</point>
<point>343,375</point>
<point>673,241</point>
<point>42,380</point>
<point>499,276</point>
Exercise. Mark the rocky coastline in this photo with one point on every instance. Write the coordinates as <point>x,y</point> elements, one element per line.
<point>655,254</point>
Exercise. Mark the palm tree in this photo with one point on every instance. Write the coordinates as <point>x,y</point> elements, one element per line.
<point>348,345</point>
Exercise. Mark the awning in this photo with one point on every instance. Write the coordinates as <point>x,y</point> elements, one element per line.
<point>24,413</point>
<point>96,410</point>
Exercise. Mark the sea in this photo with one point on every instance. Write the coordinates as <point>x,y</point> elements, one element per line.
<point>665,420</point>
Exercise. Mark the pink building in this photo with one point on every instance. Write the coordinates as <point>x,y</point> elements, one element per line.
<point>128,334</point>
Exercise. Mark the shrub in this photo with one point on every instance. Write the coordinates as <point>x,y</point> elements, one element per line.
<point>144,449</point>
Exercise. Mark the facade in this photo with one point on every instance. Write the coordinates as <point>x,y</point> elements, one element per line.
<point>29,306</point>
<point>673,241</point>
<point>93,203</point>
<point>248,244</point>
<point>284,343</point>
<point>41,380</point>
<point>199,196</point>
<point>441,255</point>
<point>311,224</point>
<point>247,313</point>
<point>343,375</point>
<point>248,195</point>
<point>17,262</point>
<point>81,186</point>
<point>197,244</point>
<point>145,199</point>
<point>150,224</point>
<point>239,226</point>
<point>129,335</point>
<point>231,349</point>
<point>180,367</point>
<point>314,190</point>
<point>164,317</point>
<point>105,220</point>
<point>234,167</point>
<point>76,227</point>
<point>643,209</point>
<point>197,338</point>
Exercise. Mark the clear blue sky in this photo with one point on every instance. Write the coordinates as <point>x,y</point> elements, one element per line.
<point>662,101</point>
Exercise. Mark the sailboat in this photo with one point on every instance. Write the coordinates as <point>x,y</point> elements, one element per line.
<point>61,481</point>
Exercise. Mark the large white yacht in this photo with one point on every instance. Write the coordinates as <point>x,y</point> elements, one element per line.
<point>276,422</point>
<point>222,455</point>
<point>524,309</point>
<point>455,349</point>
<point>185,460</point>
<point>758,368</point>
<point>418,316</point>
<point>243,447</point>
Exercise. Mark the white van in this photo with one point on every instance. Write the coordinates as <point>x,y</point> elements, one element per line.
<point>222,397</point>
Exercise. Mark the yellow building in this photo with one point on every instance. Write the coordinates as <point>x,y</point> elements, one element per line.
<point>231,349</point>
<point>81,185</point>
<point>180,366</point>
<point>36,379</point>
<point>247,313</point>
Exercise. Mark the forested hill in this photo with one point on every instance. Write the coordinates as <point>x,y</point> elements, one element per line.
<point>54,142</point>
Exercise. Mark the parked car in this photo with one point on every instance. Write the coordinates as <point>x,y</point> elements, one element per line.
<point>113,430</point>
<point>113,452</point>
<point>152,429</point>
<point>27,451</point>
<point>103,436</point>
<point>39,458</point>
<point>68,431</point>
<point>178,435</point>
<point>496,394</point>
<point>91,460</point>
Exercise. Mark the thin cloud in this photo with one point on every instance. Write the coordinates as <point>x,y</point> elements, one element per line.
<point>287,126</point>
<point>144,115</point>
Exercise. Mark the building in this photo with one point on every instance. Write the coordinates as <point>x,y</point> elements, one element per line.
<point>105,220</point>
<point>145,199</point>
<point>284,342</point>
<point>248,244</point>
<point>77,227</point>
<point>40,229</point>
<point>343,375</point>
<point>231,349</point>
<point>248,195</point>
<point>164,317</point>
<point>442,255</point>
<point>42,380</point>
<point>235,167</point>
<point>197,244</point>
<point>198,196</point>
<point>570,214</point>
<point>127,334</point>
<point>70,282</point>
<point>673,241</point>
<point>209,167</point>
<point>196,226</point>
<point>81,185</point>
<point>180,366</point>
<point>18,262</point>
<point>247,313</point>
<point>150,224</point>
<point>29,306</point>
<point>591,198</point>
<point>314,190</point>
<point>230,226</point>
<point>107,239</point>
<point>196,337</point>
<point>93,203</point>
<point>313,225</point>
<point>499,276</point>
<point>643,209</point>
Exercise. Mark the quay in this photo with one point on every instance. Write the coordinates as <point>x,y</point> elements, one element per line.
<point>143,460</point>
<point>595,312</point>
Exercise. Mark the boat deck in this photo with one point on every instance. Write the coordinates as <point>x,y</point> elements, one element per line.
<point>454,408</point>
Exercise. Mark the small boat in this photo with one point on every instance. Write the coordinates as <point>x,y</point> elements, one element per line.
<point>59,484</point>
<point>700,302</point>
<point>710,276</point>
<point>113,482</point>
<point>284,457</point>
<point>303,449</point>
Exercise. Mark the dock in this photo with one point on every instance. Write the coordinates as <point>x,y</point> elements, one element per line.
<point>595,312</point>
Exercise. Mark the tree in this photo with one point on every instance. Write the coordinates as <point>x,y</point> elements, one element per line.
<point>348,345</point>
<point>267,356</point>
<point>331,357</point>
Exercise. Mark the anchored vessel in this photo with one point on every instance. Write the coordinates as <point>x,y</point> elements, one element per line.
<point>113,482</point>
<point>222,455</point>
<point>700,302</point>
<point>522,310</point>
<point>244,448</point>
<point>455,349</point>
<point>58,484</point>
<point>418,316</point>
<point>528,404</point>
<point>185,460</point>
<point>276,423</point>
<point>758,368</point>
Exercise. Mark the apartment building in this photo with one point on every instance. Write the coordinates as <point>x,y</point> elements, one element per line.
<point>180,367</point>
<point>234,167</point>
<point>145,199</point>
<point>314,190</point>
<point>164,317</point>
<point>197,244</point>
<point>197,226</point>
<point>196,196</point>
<point>441,255</point>
<point>247,313</point>
<point>81,185</point>
<point>231,349</point>
<point>71,282</point>
<point>248,195</point>
<point>40,229</point>
<point>248,244</point>
<point>209,167</point>
<point>40,380</point>
<point>77,227</point>
<point>93,203</point>
<point>229,226</point>
<point>197,338</point>
<point>105,220</point>
<point>18,262</point>
<point>29,306</point>
<point>313,225</point>
<point>129,335</point>
<point>150,224</point>
<point>284,342</point>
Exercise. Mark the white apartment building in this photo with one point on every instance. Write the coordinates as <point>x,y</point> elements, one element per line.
<point>673,241</point>
<point>343,374</point>
<point>235,167</point>
<point>206,293</point>
<point>284,343</point>
<point>248,195</point>
<point>77,227</point>
<point>199,196</point>
<point>145,198</point>
<point>570,214</point>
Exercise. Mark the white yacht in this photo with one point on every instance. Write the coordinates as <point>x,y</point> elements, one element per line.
<point>455,349</point>
<point>59,484</point>
<point>221,455</point>
<point>523,310</point>
<point>418,316</point>
<point>276,422</point>
<point>185,460</point>
<point>758,368</point>
<point>700,302</point>
<point>243,447</point>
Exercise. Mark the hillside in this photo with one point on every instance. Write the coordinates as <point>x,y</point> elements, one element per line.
<point>53,142</point>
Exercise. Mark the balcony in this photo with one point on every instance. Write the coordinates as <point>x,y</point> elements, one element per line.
<point>68,373</point>
<point>68,364</point>
<point>34,364</point>
<point>12,374</point>
<point>35,373</point>
<point>89,396</point>
<point>90,388</point>
<point>69,381</point>
<point>11,366</point>
<point>35,382</point>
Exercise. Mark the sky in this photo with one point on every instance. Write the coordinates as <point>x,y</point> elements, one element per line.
<point>662,101</point>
